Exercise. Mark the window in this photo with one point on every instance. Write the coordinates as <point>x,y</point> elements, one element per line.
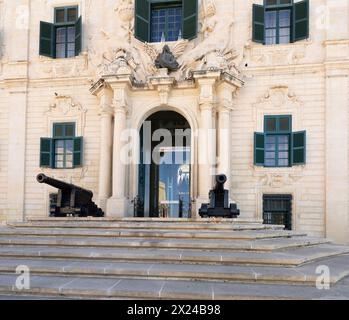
<point>63,38</point>
<point>277,209</point>
<point>166,22</point>
<point>280,21</point>
<point>64,150</point>
<point>63,135</point>
<point>278,146</point>
<point>169,20</point>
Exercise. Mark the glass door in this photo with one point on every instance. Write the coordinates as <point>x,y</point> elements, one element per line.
<point>173,185</point>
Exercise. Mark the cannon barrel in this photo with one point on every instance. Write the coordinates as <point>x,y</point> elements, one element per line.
<point>221,179</point>
<point>42,178</point>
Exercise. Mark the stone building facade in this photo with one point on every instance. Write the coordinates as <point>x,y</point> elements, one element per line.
<point>269,77</point>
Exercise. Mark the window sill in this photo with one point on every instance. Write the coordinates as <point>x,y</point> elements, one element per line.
<point>295,169</point>
<point>277,54</point>
<point>81,56</point>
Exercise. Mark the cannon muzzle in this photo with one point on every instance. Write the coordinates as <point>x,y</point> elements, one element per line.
<point>41,178</point>
<point>221,179</point>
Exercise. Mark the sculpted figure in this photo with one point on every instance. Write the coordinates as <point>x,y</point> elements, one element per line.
<point>166,60</point>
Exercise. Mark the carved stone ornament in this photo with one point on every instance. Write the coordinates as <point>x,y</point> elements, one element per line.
<point>166,60</point>
<point>278,179</point>
<point>213,48</point>
<point>64,105</point>
<point>279,96</point>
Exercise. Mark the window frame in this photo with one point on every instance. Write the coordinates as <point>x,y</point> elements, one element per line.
<point>66,8</point>
<point>66,24</point>
<point>277,8</point>
<point>278,133</point>
<point>64,138</point>
<point>157,5</point>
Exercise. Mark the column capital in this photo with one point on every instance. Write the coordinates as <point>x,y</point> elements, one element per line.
<point>207,106</point>
<point>106,110</point>
<point>225,106</point>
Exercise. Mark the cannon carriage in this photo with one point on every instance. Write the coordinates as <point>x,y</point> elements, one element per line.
<point>219,205</point>
<point>71,200</point>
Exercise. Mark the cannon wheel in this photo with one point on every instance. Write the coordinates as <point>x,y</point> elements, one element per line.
<point>83,212</point>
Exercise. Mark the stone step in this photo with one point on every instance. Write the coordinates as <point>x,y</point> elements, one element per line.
<point>164,224</point>
<point>212,244</point>
<point>306,275</point>
<point>145,233</point>
<point>287,257</point>
<point>120,288</point>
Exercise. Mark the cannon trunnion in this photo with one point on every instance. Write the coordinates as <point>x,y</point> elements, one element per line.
<point>219,202</point>
<point>71,199</point>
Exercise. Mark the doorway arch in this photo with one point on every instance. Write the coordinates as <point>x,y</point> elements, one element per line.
<point>165,170</point>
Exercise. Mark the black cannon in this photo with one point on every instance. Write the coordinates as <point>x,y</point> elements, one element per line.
<point>219,202</point>
<point>71,200</point>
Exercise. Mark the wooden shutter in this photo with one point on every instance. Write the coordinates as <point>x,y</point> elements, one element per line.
<point>142,20</point>
<point>78,151</point>
<point>46,153</point>
<point>190,19</point>
<point>78,36</point>
<point>47,39</point>
<point>258,23</point>
<point>301,20</point>
<point>259,141</point>
<point>299,148</point>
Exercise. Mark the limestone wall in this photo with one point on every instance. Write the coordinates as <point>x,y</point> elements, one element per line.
<point>281,79</point>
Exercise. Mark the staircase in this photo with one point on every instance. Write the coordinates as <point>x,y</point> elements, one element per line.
<point>168,259</point>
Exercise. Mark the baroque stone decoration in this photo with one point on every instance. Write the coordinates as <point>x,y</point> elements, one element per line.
<point>166,60</point>
<point>276,179</point>
<point>279,96</point>
<point>65,105</point>
<point>211,50</point>
<point>267,56</point>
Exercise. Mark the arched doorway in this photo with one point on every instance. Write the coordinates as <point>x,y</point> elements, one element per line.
<point>165,166</point>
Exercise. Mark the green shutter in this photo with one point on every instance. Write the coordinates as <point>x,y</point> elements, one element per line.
<point>78,151</point>
<point>190,19</point>
<point>47,39</point>
<point>259,139</point>
<point>299,148</point>
<point>142,23</point>
<point>301,20</point>
<point>78,36</point>
<point>258,23</point>
<point>46,152</point>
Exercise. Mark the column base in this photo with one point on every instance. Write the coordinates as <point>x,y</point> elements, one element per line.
<point>102,203</point>
<point>118,208</point>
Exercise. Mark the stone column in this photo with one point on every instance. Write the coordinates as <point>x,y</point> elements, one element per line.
<point>224,143</point>
<point>118,205</point>
<point>207,151</point>
<point>106,148</point>
<point>207,137</point>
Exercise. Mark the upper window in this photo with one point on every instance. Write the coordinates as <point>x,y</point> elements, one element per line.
<point>280,21</point>
<point>165,20</point>
<point>278,146</point>
<point>63,150</point>
<point>62,39</point>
